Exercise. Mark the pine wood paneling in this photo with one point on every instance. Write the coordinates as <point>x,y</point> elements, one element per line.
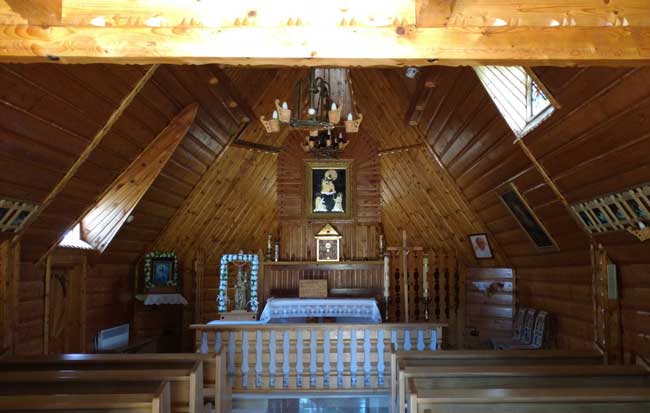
<point>594,144</point>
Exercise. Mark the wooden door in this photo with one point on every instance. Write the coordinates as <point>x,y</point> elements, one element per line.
<point>64,318</point>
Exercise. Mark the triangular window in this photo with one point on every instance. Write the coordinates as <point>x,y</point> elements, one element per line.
<point>72,239</point>
<point>519,95</point>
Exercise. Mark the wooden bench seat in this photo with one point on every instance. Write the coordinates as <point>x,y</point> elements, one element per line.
<point>186,384</point>
<point>530,400</point>
<point>213,374</point>
<point>426,377</point>
<point>150,397</point>
<point>484,357</point>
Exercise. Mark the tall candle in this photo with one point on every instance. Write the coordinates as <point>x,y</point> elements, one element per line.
<point>425,270</point>
<point>386,278</point>
<point>381,243</point>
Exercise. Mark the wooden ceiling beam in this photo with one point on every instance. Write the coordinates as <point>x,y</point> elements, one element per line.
<point>360,13</point>
<point>35,12</point>
<point>342,46</point>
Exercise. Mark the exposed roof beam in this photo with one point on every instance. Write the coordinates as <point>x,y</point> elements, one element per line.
<point>36,12</point>
<point>345,46</point>
<point>94,142</point>
<point>434,13</point>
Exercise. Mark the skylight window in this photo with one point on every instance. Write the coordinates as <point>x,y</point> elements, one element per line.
<point>520,97</point>
<point>73,239</point>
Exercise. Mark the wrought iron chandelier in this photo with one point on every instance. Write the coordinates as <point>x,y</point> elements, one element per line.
<point>319,102</point>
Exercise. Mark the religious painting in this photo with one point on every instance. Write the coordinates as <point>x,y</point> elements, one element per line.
<point>481,246</point>
<point>525,217</point>
<point>160,272</point>
<point>328,190</point>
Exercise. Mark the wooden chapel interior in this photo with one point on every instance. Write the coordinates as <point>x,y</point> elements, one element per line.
<point>431,156</point>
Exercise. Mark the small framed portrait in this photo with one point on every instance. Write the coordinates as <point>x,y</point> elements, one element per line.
<point>481,246</point>
<point>328,190</point>
<point>160,272</point>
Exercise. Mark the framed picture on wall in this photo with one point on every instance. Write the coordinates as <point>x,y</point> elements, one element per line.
<point>328,193</point>
<point>160,272</point>
<point>481,246</point>
<point>526,218</point>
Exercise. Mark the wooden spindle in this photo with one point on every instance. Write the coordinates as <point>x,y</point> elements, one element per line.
<point>380,358</point>
<point>339,358</point>
<point>407,340</point>
<point>299,361</point>
<point>204,342</point>
<point>285,360</point>
<point>326,358</point>
<point>244,359</point>
<point>272,349</point>
<point>353,357</point>
<point>366,358</point>
<point>259,341</point>
<point>231,353</point>
<point>313,337</point>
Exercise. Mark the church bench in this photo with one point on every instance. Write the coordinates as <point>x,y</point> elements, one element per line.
<point>150,397</point>
<point>530,400</point>
<point>215,383</point>
<point>186,384</point>
<point>484,357</point>
<point>513,376</point>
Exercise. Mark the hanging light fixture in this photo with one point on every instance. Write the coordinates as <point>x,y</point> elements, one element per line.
<point>320,102</point>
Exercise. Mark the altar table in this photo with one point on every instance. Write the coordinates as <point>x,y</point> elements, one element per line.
<point>344,310</point>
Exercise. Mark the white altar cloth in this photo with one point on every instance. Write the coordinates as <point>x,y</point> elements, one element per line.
<point>297,310</point>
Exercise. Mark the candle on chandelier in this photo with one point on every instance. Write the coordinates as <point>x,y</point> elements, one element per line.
<point>285,106</point>
<point>311,111</point>
<point>333,106</point>
<point>275,114</point>
<point>350,116</point>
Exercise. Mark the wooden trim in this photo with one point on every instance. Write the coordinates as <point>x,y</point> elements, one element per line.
<point>255,146</point>
<point>305,45</point>
<point>84,302</point>
<point>464,207</point>
<point>400,149</point>
<point>94,142</point>
<point>551,184</point>
<point>46,305</point>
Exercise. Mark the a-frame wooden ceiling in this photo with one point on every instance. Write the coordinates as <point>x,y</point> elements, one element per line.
<point>438,177</point>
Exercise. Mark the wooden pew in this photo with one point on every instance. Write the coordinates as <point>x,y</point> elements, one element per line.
<point>215,384</point>
<point>530,400</point>
<point>185,384</point>
<point>150,397</point>
<point>482,357</point>
<point>426,377</point>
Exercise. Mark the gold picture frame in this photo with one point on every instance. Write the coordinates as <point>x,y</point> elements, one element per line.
<point>328,194</point>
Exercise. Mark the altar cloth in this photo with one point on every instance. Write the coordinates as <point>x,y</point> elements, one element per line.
<point>344,310</point>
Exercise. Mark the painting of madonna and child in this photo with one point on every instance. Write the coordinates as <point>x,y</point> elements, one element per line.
<point>328,190</point>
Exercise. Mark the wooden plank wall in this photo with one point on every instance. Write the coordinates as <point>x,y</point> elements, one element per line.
<point>596,143</point>
<point>489,315</point>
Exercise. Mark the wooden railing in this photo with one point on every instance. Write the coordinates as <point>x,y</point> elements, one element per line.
<point>314,356</point>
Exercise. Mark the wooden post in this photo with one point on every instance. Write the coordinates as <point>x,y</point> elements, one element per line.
<point>46,305</point>
<point>199,273</point>
<point>5,276</point>
<point>84,302</point>
<point>405,275</point>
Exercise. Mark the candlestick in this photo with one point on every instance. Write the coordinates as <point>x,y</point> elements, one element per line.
<point>425,270</point>
<point>386,275</point>
<point>276,255</point>
<point>381,243</point>
<point>269,247</point>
